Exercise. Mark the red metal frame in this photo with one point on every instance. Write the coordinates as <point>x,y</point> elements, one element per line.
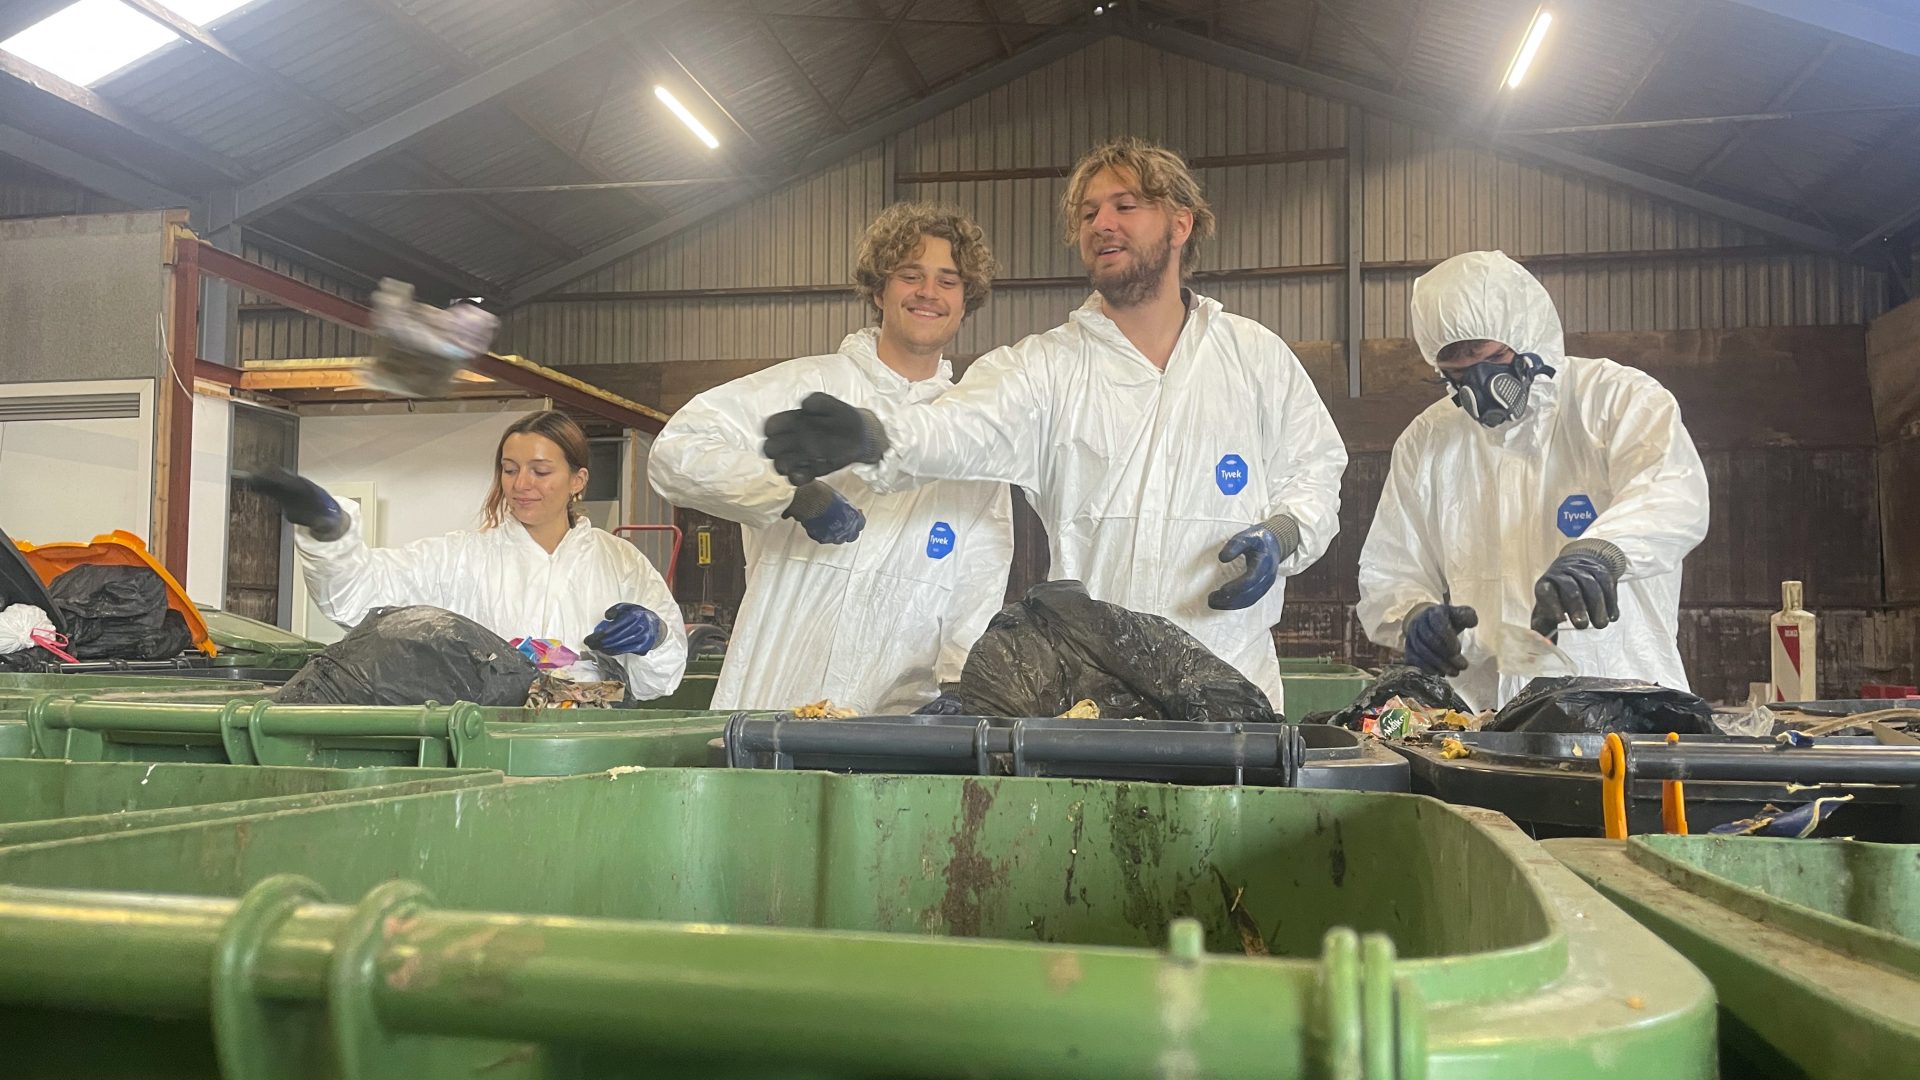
<point>673,561</point>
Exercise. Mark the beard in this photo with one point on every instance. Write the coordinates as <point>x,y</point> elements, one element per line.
<point>1141,281</point>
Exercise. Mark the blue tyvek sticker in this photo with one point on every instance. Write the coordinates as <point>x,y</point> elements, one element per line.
<point>1576,513</point>
<point>940,541</point>
<point>1230,474</point>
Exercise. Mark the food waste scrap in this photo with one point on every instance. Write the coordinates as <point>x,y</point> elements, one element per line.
<point>1400,718</point>
<point>823,710</point>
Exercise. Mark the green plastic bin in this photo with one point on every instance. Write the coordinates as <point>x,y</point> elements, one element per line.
<point>20,690</point>
<point>1319,685</point>
<point>746,923</point>
<point>250,643</point>
<point>696,687</point>
<point>1812,945</point>
<point>253,730</point>
<point>56,800</point>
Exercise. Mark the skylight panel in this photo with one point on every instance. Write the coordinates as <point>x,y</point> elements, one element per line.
<point>89,40</point>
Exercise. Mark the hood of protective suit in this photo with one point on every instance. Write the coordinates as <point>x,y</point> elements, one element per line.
<point>1483,295</point>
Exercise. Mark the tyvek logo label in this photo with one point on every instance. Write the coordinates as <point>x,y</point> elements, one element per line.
<point>1576,514</point>
<point>1230,474</point>
<point>940,540</point>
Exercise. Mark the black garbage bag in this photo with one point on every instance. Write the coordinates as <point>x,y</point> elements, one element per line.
<point>1058,646</point>
<point>1584,704</point>
<point>410,656</point>
<point>1406,683</point>
<point>118,613</point>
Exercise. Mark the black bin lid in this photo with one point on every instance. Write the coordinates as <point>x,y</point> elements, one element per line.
<point>20,585</point>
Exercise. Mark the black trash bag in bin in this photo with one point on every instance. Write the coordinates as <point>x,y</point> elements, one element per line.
<point>410,656</point>
<point>1407,684</point>
<point>1588,705</point>
<point>118,613</point>
<point>1041,655</point>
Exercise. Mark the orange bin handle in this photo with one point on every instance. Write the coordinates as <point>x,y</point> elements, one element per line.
<point>1613,786</point>
<point>673,561</point>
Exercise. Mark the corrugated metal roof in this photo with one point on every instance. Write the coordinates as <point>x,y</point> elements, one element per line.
<point>1606,60</point>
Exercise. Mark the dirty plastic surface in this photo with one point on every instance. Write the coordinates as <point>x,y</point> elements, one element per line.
<point>732,922</point>
<point>56,800</point>
<point>1811,944</point>
<point>1319,685</point>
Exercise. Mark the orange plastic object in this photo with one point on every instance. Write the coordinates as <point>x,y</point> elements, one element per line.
<point>1613,786</point>
<point>117,548</point>
<point>1673,800</point>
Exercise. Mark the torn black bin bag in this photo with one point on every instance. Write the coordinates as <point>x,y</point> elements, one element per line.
<point>1584,704</point>
<point>1409,684</point>
<point>410,656</point>
<point>1041,655</point>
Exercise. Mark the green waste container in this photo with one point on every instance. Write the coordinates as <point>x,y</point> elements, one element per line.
<point>1812,945</point>
<point>1319,685</point>
<point>696,687</point>
<point>55,800</point>
<point>20,690</point>
<point>250,643</point>
<point>694,922</point>
<point>253,730</point>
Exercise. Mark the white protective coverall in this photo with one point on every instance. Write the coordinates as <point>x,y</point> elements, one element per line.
<point>505,581</point>
<point>877,624</point>
<point>1472,515</point>
<point>1141,475</point>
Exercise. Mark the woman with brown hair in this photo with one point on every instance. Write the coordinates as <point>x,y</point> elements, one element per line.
<point>578,599</point>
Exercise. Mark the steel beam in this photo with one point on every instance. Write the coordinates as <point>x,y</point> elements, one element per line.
<point>383,137</point>
<point>1871,25</point>
<point>1207,51</point>
<point>108,180</point>
<point>1042,52</point>
<point>1356,324</point>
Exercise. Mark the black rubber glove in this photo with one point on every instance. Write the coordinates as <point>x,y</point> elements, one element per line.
<point>821,437</point>
<point>1579,587</point>
<point>1433,637</point>
<point>301,500</point>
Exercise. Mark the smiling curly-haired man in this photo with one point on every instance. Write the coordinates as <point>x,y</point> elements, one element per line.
<point>870,600</point>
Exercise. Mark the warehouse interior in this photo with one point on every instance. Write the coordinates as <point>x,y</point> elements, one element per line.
<point>199,200</point>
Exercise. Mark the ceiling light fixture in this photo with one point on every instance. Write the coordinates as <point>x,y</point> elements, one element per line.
<point>1536,33</point>
<point>686,117</point>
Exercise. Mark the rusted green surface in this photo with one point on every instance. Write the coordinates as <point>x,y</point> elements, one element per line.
<point>1810,943</point>
<point>55,800</point>
<point>745,922</point>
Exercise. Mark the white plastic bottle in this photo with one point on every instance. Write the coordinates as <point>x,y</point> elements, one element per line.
<point>1795,646</point>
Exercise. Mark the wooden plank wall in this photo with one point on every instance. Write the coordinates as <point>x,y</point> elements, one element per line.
<point>1800,474</point>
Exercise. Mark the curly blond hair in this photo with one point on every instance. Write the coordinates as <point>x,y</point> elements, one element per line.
<point>895,236</point>
<point>1159,176</point>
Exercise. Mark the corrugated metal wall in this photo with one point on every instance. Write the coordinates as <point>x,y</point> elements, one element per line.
<point>1426,197</point>
<point>26,192</point>
<point>271,332</point>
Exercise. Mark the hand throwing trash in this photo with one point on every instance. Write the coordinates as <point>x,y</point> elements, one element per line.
<point>1547,490</point>
<point>536,572</point>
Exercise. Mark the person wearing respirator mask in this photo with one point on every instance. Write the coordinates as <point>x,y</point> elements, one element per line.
<point>1551,491</point>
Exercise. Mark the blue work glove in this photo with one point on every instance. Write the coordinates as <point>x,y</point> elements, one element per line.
<point>628,628</point>
<point>1266,546</point>
<point>822,436</point>
<point>301,500</point>
<point>944,705</point>
<point>826,514</point>
<point>1433,637</point>
<point>1580,587</point>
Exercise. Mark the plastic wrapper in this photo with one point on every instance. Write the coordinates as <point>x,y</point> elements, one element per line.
<point>1584,704</point>
<point>1414,688</point>
<point>410,656</point>
<point>1795,824</point>
<point>1045,653</point>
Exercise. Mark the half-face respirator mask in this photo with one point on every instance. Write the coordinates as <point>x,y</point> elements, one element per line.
<point>1494,392</point>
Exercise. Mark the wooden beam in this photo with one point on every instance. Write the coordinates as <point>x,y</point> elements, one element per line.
<point>1046,172</point>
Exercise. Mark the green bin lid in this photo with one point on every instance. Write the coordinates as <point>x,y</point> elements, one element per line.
<point>237,633</point>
